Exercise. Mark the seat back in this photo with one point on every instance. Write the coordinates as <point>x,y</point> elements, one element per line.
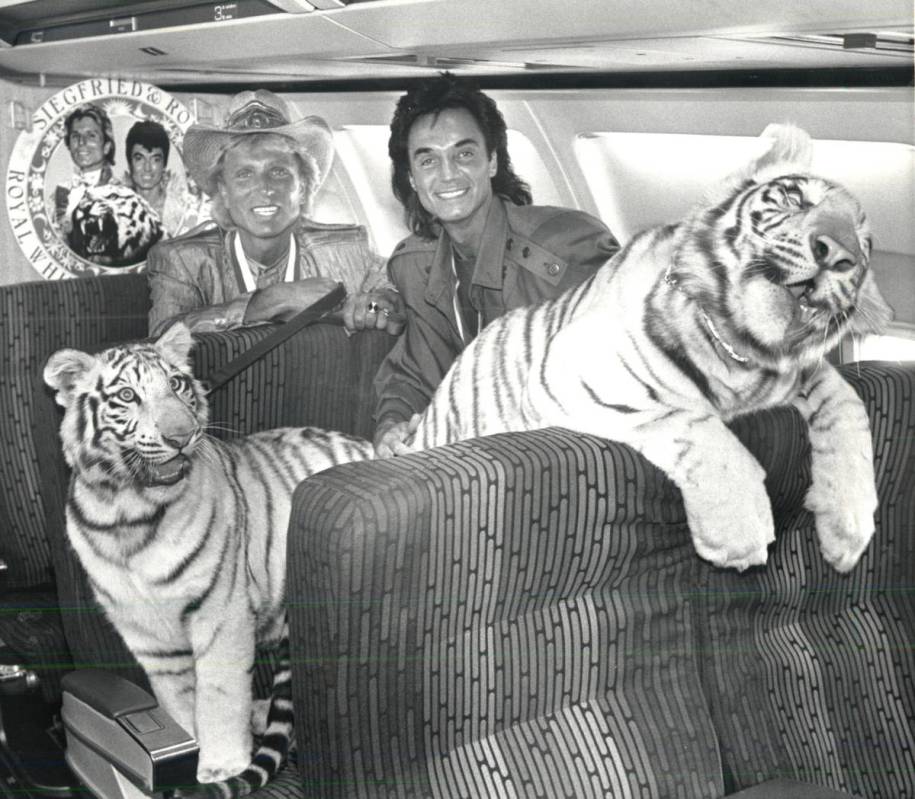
<point>36,319</point>
<point>539,592</point>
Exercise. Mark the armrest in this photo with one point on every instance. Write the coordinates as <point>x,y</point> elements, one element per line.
<point>112,723</point>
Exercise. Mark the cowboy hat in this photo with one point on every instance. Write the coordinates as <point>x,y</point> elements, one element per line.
<point>253,112</point>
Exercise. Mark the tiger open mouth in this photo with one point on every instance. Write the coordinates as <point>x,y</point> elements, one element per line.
<point>801,291</point>
<point>166,473</point>
<point>96,245</point>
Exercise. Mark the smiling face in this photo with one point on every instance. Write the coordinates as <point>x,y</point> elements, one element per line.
<point>146,167</point>
<point>452,172</point>
<point>263,189</point>
<point>87,144</point>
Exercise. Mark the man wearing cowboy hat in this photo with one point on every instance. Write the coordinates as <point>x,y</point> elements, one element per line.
<point>262,259</point>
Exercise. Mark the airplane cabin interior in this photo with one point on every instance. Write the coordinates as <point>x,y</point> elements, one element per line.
<point>512,615</point>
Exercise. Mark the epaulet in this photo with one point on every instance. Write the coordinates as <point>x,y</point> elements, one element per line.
<point>413,244</point>
<point>526,219</point>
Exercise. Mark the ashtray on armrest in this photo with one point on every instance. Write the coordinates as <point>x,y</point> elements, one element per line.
<point>116,730</point>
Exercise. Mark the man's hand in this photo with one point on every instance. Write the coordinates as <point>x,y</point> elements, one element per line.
<point>282,301</point>
<point>374,310</point>
<point>390,436</point>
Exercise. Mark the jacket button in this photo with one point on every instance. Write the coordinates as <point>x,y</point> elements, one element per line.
<point>509,243</point>
<point>552,269</point>
<point>526,251</point>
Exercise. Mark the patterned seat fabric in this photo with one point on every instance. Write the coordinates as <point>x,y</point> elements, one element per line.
<point>320,377</point>
<point>37,319</point>
<point>524,615</point>
<point>811,674</point>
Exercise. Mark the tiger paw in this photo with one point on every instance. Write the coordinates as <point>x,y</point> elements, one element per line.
<point>732,531</point>
<point>221,768</point>
<point>843,499</point>
<point>845,529</point>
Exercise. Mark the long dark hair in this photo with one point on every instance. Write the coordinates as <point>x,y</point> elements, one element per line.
<point>433,97</point>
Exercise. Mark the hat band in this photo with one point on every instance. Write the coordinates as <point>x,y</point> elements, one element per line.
<point>256,116</point>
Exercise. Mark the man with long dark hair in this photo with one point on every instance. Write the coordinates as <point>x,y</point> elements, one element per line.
<point>479,247</point>
<point>147,148</point>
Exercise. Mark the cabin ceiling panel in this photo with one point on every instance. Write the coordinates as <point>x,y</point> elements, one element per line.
<point>250,42</point>
<point>405,38</point>
<point>676,53</point>
<point>410,24</point>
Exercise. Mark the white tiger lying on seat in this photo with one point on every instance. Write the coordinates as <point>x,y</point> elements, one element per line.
<point>687,327</point>
<point>183,537</point>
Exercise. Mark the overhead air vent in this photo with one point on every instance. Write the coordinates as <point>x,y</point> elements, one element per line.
<point>879,42</point>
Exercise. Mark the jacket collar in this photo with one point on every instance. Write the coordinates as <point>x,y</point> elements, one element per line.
<point>487,271</point>
<point>230,262</point>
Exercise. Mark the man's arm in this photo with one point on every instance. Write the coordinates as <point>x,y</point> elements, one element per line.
<point>282,301</point>
<point>177,296</point>
<point>342,252</point>
<point>376,304</point>
<point>409,375</point>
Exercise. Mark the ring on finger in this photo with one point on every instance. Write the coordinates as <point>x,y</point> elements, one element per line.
<point>372,307</point>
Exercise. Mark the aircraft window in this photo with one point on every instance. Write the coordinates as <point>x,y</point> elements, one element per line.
<point>885,348</point>
<point>531,168</point>
<point>643,179</point>
<point>332,203</point>
<point>363,151</point>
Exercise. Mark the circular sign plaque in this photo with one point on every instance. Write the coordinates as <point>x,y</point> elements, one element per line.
<point>40,163</point>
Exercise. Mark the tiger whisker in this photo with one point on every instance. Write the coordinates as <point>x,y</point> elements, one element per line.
<point>224,427</point>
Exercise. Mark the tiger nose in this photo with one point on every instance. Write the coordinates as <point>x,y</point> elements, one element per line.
<point>178,439</point>
<point>178,434</point>
<point>833,254</point>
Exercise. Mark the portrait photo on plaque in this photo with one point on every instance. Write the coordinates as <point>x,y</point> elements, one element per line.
<point>98,180</point>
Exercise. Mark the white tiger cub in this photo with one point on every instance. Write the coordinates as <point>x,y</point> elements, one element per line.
<point>687,327</point>
<point>183,537</point>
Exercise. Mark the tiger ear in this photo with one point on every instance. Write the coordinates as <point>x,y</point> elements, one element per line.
<point>64,369</point>
<point>176,343</point>
<point>790,146</point>
<point>784,149</point>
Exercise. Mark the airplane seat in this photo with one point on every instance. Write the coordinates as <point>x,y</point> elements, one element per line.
<point>34,652</point>
<point>52,626</point>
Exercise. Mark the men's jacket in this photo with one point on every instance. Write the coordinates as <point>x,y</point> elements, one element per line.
<point>528,253</point>
<point>199,270</point>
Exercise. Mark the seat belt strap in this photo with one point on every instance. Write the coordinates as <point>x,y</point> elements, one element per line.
<point>317,310</point>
